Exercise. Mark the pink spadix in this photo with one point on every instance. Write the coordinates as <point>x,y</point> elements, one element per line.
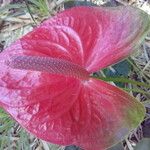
<point>48,64</point>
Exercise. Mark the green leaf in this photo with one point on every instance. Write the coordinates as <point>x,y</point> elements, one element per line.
<point>121,69</point>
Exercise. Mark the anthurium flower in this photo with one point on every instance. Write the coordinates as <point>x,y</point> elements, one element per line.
<point>45,81</point>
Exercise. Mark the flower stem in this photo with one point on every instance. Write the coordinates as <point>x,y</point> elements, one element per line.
<point>135,90</point>
<point>123,80</point>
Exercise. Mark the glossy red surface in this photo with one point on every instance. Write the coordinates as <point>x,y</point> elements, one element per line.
<point>64,109</point>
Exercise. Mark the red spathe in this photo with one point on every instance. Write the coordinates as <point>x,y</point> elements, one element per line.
<point>66,110</point>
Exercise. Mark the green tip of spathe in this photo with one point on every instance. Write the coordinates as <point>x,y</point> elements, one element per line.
<point>136,115</point>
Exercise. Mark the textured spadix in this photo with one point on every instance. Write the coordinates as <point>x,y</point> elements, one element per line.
<point>63,109</point>
<point>48,64</point>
